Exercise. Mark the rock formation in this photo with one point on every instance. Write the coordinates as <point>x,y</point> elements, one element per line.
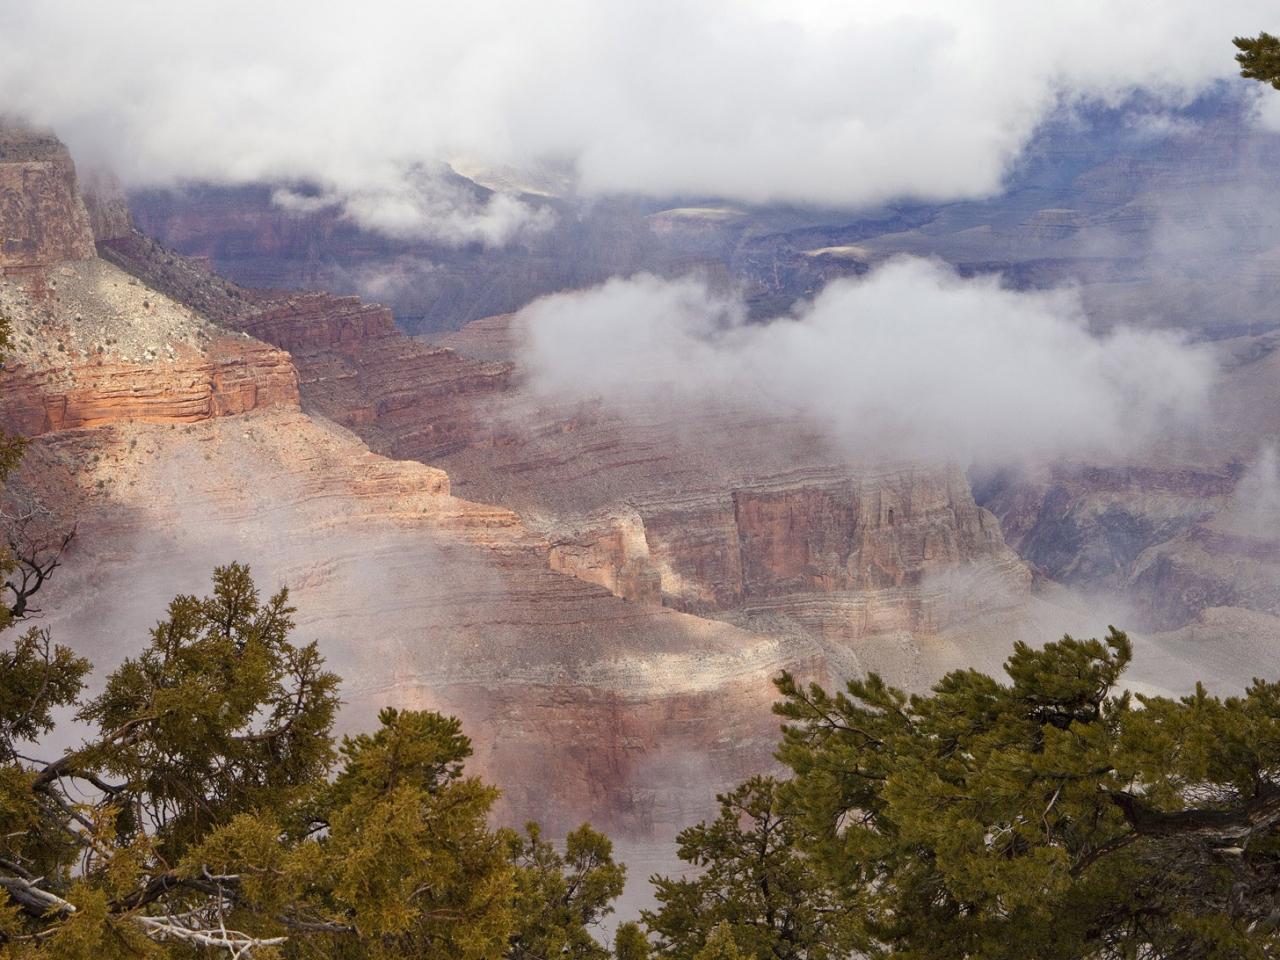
<point>601,595</point>
<point>42,218</point>
<point>715,513</point>
<point>233,376</point>
<point>754,522</point>
<point>176,443</point>
<point>1178,536</point>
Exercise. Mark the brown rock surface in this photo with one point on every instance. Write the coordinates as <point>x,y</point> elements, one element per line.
<point>42,218</point>
<point>107,206</point>
<point>608,632</point>
<point>715,512</point>
<point>234,376</point>
<point>582,705</point>
<point>176,444</point>
<point>743,518</point>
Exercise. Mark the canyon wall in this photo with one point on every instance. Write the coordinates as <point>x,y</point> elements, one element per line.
<point>42,218</point>
<point>175,443</point>
<point>714,513</point>
<point>234,376</point>
<point>432,285</point>
<point>1181,534</point>
<point>582,706</point>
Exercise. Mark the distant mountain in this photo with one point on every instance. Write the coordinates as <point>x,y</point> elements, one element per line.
<point>1160,216</point>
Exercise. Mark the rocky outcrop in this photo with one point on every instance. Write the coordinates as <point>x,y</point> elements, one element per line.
<point>612,551</point>
<point>581,705</point>
<point>1087,526</point>
<point>712,513</point>
<point>318,321</point>
<point>42,218</point>
<point>406,399</point>
<point>1190,527</point>
<point>107,206</point>
<point>233,376</point>
<point>778,547</point>
<point>1174,581</point>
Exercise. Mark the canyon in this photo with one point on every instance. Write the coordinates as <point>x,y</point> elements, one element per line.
<point>602,596</point>
<point>749,520</point>
<point>1159,224</point>
<point>604,603</point>
<point>175,443</point>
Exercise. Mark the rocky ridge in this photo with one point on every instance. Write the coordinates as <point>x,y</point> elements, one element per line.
<point>42,217</point>
<point>741,518</point>
<point>582,705</point>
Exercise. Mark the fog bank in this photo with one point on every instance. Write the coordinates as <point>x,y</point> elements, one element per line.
<point>909,362</point>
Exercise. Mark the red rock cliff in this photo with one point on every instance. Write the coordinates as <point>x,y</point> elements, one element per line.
<point>234,376</point>
<point>42,219</point>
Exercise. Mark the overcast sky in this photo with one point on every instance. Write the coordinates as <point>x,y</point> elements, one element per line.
<point>832,103</point>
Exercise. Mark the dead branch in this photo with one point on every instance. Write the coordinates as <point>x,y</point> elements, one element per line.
<point>34,901</point>
<point>205,926</point>
<point>36,547</point>
<point>238,945</point>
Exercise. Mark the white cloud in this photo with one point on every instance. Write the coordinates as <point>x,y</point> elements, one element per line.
<point>1254,510</point>
<point>1267,109</point>
<point>805,101</point>
<point>420,204</point>
<point>910,361</point>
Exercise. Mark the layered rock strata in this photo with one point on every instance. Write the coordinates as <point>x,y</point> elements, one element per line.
<point>176,443</point>
<point>233,376</point>
<point>582,706</point>
<point>42,218</point>
<point>712,512</point>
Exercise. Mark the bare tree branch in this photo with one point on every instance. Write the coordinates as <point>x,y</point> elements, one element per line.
<point>36,545</point>
<point>33,900</point>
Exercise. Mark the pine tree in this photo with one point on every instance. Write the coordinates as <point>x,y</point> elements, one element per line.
<point>1050,816</point>
<point>221,714</point>
<point>1259,58</point>
<point>209,812</point>
<point>721,945</point>
<point>751,882</point>
<point>561,897</point>
<point>630,942</point>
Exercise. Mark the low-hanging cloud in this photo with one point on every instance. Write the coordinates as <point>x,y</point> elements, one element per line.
<point>910,361</point>
<point>1254,508</point>
<point>422,205</point>
<point>806,101</point>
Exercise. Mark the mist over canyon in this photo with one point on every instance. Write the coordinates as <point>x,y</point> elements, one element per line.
<point>580,374</point>
<point>909,362</point>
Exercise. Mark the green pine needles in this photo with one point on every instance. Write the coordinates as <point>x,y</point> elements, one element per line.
<point>1259,58</point>
<point>1052,815</point>
<point>211,812</point>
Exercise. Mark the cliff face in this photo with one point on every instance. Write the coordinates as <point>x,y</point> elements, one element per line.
<point>1192,529</point>
<point>176,443</point>
<point>582,706</point>
<point>1168,546</point>
<point>708,512</point>
<point>234,376</point>
<point>108,208</point>
<point>1087,525</point>
<point>42,217</point>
